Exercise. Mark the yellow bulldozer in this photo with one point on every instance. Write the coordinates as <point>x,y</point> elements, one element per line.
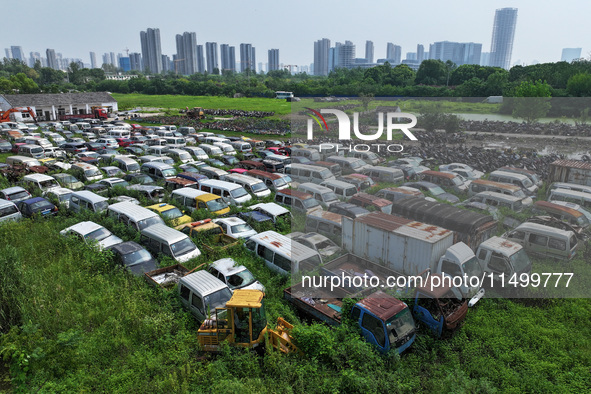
<point>196,113</point>
<point>243,323</point>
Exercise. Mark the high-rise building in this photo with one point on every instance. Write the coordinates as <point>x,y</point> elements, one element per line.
<point>247,57</point>
<point>135,61</point>
<point>503,34</point>
<point>200,59</point>
<point>34,57</point>
<point>420,53</point>
<point>106,58</point>
<point>484,59</point>
<point>369,51</point>
<point>8,53</point>
<point>347,55</point>
<point>166,64</point>
<point>228,57</point>
<point>151,50</point>
<point>321,49</point>
<point>273,60</point>
<point>17,53</point>
<point>51,59</point>
<point>186,53</point>
<point>458,52</point>
<point>568,54</point>
<point>393,53</point>
<point>211,52</point>
<point>92,60</point>
<point>125,63</point>
<point>113,59</point>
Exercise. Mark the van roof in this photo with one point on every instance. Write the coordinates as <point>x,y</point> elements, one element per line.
<point>295,193</point>
<point>38,177</point>
<point>165,233</point>
<point>548,206</point>
<point>90,196</point>
<point>280,243</point>
<point>501,245</point>
<point>506,186</point>
<point>314,187</point>
<point>404,190</point>
<point>243,178</point>
<point>129,209</point>
<point>529,226</point>
<point>344,159</point>
<point>189,192</point>
<point>263,174</point>
<point>271,207</point>
<point>222,184</point>
<point>382,202</point>
<point>499,196</point>
<point>84,166</point>
<point>157,164</point>
<point>440,174</point>
<point>330,216</point>
<point>342,184</point>
<point>509,174</point>
<point>569,192</point>
<point>399,225</point>
<point>203,282</point>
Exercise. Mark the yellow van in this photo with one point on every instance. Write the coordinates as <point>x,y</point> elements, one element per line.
<point>170,213</point>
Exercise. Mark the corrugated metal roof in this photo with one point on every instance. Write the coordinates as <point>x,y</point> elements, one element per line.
<point>572,164</point>
<point>32,100</point>
<point>382,202</point>
<point>382,305</point>
<point>426,232</point>
<point>204,282</point>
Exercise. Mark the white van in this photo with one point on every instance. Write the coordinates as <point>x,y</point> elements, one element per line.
<point>274,182</point>
<point>176,142</point>
<point>212,140</point>
<point>322,194</point>
<point>133,215</point>
<point>158,170</point>
<point>483,185</point>
<point>308,173</point>
<point>581,198</point>
<point>281,254</point>
<point>22,160</point>
<point>211,150</point>
<point>494,199</point>
<point>160,238</point>
<point>119,133</point>
<point>384,174</point>
<point>252,185</point>
<point>8,211</point>
<point>87,200</point>
<point>201,293</point>
<point>34,151</point>
<point>310,154</point>
<point>544,241</point>
<point>241,146</point>
<point>41,182</point>
<point>87,171</point>
<point>515,179</point>
<point>180,155</point>
<point>212,172</point>
<point>227,149</point>
<point>230,192</point>
<point>350,165</point>
<point>126,164</point>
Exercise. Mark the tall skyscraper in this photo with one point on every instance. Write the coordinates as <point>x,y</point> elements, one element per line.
<point>347,55</point>
<point>458,52</point>
<point>35,56</point>
<point>568,54</point>
<point>503,34</point>
<point>420,53</point>
<point>186,50</point>
<point>92,60</point>
<point>51,59</point>
<point>135,61</point>
<point>247,57</point>
<point>17,53</point>
<point>369,51</point>
<point>151,50</point>
<point>394,53</point>
<point>211,51</point>
<point>166,64</point>
<point>200,59</point>
<point>8,53</point>
<point>273,60</point>
<point>321,49</point>
<point>228,57</point>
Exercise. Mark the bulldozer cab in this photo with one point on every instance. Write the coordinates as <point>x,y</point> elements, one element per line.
<point>196,113</point>
<point>242,322</point>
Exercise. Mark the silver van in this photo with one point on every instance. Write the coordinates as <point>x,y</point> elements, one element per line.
<point>211,150</point>
<point>310,154</point>
<point>22,160</point>
<point>201,293</point>
<point>241,146</point>
<point>324,195</point>
<point>329,224</point>
<point>544,241</point>
<point>153,193</point>
<point>581,198</point>
<point>180,155</point>
<point>307,173</point>
<point>160,238</point>
<point>569,186</point>
<point>230,192</point>
<point>133,215</point>
<point>254,186</point>
<point>343,190</point>
<point>281,254</point>
<point>383,174</point>
<point>158,170</point>
<point>212,172</point>
<point>483,185</point>
<point>498,200</point>
<point>88,172</point>
<point>84,199</point>
<point>126,164</point>
<point>370,158</point>
<point>8,211</point>
<point>349,165</point>
<point>515,179</point>
<point>34,151</point>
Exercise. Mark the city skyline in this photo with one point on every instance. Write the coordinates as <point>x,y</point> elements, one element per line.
<point>558,29</point>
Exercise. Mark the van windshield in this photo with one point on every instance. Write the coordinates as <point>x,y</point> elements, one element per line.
<point>457,181</point>
<point>520,261</point>
<point>527,183</point>
<point>98,234</point>
<point>325,173</point>
<point>519,193</point>
<point>310,203</point>
<point>240,279</point>
<point>258,187</point>
<point>150,222</point>
<point>100,206</point>
<point>329,196</point>
<point>182,247</point>
<point>92,172</point>
<point>133,167</point>
<point>37,150</point>
<point>216,205</point>
<point>217,299</point>
<point>237,193</point>
<point>357,164</point>
<point>279,182</point>
<point>169,172</point>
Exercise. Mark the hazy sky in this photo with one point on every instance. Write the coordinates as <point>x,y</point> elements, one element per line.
<point>74,28</point>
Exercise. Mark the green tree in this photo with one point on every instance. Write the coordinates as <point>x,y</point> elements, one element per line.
<point>365,99</point>
<point>24,84</point>
<point>431,72</point>
<point>531,100</point>
<point>579,85</point>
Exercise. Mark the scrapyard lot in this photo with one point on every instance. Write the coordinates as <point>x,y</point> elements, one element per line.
<point>72,320</point>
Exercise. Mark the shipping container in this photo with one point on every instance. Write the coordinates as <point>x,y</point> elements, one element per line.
<point>570,171</point>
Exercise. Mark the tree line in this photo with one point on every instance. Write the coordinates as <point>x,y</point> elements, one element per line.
<point>434,78</point>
